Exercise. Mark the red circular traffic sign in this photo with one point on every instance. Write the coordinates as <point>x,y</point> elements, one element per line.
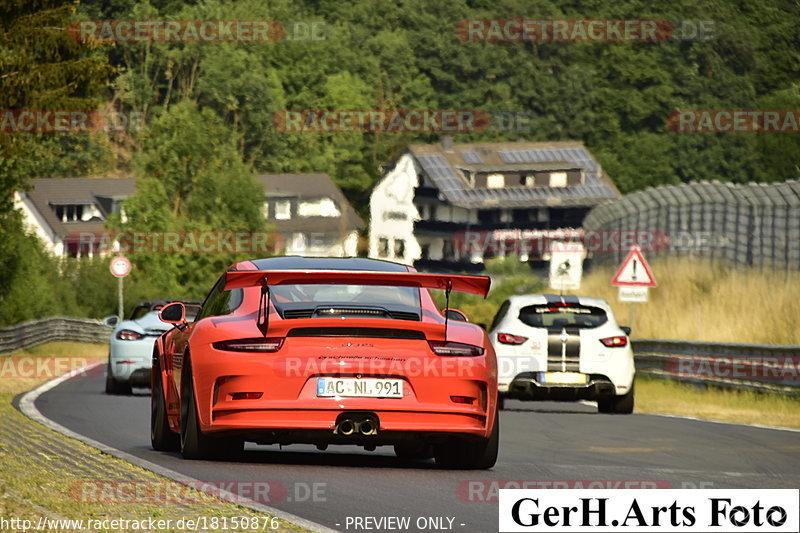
<point>120,266</point>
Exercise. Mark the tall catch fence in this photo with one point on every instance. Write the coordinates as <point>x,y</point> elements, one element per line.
<point>752,224</point>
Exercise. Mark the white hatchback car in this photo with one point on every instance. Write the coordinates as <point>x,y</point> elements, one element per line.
<point>563,348</point>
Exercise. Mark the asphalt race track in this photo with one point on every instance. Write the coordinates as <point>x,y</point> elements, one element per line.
<point>539,442</point>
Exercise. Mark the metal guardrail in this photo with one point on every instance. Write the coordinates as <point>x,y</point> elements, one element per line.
<point>50,329</point>
<point>762,367</point>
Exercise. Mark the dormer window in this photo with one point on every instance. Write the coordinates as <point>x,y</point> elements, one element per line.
<point>558,179</point>
<point>495,181</point>
<point>76,212</point>
<point>283,209</point>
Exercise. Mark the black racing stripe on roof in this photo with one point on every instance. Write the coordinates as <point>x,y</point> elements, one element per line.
<point>571,299</point>
<point>552,299</point>
<point>327,263</point>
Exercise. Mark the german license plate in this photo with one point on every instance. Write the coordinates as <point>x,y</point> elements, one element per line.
<point>360,387</point>
<point>563,378</point>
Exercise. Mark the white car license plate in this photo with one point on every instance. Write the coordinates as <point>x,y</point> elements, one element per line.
<point>563,378</point>
<point>360,388</point>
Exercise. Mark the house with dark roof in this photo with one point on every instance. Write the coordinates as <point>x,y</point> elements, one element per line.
<point>60,210</point>
<point>312,214</point>
<point>435,194</point>
<point>308,210</point>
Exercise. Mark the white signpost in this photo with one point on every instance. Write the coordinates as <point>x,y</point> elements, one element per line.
<point>120,267</point>
<point>566,265</point>
<point>633,278</point>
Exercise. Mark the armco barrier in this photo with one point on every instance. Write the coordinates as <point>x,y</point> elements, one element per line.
<point>50,329</point>
<point>762,367</point>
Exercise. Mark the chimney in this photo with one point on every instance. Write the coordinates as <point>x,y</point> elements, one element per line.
<point>447,143</point>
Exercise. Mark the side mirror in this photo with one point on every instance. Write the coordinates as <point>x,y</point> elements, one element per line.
<point>174,313</point>
<point>111,321</point>
<point>626,329</point>
<point>455,314</point>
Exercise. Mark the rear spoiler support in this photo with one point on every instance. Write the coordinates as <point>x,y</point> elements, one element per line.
<point>263,308</point>
<point>447,305</point>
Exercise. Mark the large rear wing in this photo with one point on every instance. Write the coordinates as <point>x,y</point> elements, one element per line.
<point>239,279</point>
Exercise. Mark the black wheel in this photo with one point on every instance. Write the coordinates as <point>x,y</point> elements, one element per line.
<point>194,443</point>
<point>619,405</point>
<point>113,386</point>
<point>501,401</point>
<point>417,451</point>
<point>162,437</point>
<point>470,454</point>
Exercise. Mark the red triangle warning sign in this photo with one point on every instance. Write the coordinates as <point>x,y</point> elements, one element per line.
<point>634,271</point>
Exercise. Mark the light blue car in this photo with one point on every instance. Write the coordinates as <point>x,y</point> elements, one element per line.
<point>131,345</point>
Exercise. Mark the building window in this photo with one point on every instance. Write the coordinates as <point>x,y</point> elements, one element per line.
<point>298,242</point>
<point>324,207</point>
<point>495,181</point>
<point>399,248</point>
<point>527,181</point>
<point>383,247</point>
<point>283,210</point>
<point>558,179</point>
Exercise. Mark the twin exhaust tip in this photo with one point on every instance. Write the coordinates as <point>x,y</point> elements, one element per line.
<point>357,425</point>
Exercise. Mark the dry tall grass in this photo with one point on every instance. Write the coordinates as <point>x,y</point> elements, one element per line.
<point>698,300</point>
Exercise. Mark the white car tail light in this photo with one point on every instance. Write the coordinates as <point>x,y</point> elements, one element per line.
<point>129,335</point>
<point>508,338</point>
<point>615,342</point>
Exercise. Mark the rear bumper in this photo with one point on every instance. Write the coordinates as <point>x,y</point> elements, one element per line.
<point>526,387</point>
<point>287,425</point>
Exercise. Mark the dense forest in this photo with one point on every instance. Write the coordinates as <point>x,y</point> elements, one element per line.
<point>200,116</point>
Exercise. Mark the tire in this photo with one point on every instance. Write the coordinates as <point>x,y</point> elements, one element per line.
<point>116,387</point>
<point>501,402</point>
<point>414,451</point>
<point>617,405</point>
<point>470,454</point>
<point>194,444</point>
<point>162,438</point>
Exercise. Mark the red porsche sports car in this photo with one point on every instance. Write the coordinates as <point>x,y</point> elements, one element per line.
<point>327,351</point>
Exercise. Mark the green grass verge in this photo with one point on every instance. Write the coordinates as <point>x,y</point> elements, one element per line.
<point>40,467</point>
<point>662,396</point>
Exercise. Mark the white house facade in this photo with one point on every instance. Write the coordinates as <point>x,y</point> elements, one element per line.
<point>450,206</point>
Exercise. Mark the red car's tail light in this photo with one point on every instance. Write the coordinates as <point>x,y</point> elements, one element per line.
<point>129,335</point>
<point>615,342</point>
<point>508,338</point>
<point>256,345</point>
<point>455,349</point>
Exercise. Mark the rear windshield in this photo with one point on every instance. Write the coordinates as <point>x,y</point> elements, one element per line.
<point>559,316</point>
<point>373,295</point>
